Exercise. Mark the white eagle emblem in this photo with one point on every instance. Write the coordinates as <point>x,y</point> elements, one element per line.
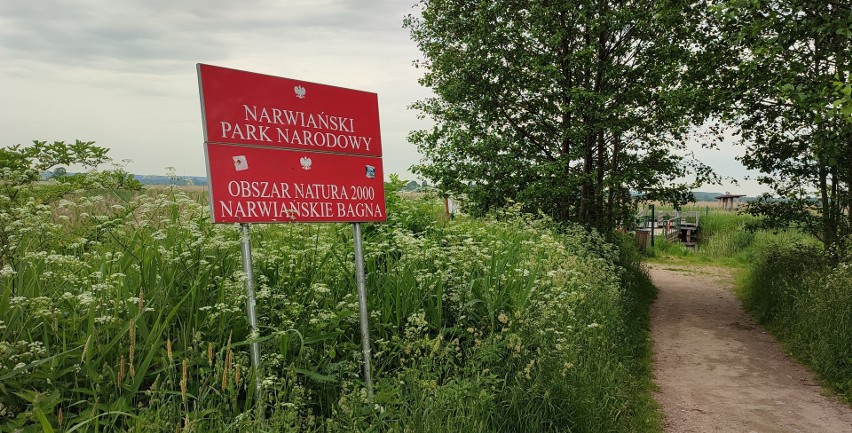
<point>300,91</point>
<point>306,163</point>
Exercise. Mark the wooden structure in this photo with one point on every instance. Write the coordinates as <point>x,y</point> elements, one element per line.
<point>728,200</point>
<point>680,226</point>
<point>687,228</point>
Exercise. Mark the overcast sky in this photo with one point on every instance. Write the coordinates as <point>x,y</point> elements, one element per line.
<point>122,72</point>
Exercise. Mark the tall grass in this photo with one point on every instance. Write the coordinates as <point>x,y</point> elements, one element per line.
<point>725,237</point>
<point>127,314</point>
<point>806,302</point>
<point>726,234</point>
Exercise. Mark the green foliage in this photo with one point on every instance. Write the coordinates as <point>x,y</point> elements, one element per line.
<point>792,288</point>
<point>726,238</point>
<point>21,168</point>
<point>42,156</point>
<point>116,179</point>
<point>726,234</point>
<point>129,316</point>
<point>567,107</point>
<point>664,248</point>
<point>785,76</point>
<point>25,200</point>
<point>843,92</point>
<point>417,214</point>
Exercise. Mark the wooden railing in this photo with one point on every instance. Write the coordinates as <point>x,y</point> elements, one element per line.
<point>680,226</point>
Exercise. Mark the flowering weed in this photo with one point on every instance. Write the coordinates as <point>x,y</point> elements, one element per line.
<point>127,314</point>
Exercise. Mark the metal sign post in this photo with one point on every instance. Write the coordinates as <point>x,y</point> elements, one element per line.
<point>362,308</point>
<point>280,150</point>
<point>250,308</point>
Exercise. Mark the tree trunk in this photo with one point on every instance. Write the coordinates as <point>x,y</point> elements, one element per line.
<point>827,225</point>
<point>847,209</point>
<point>588,170</point>
<point>565,51</point>
<point>614,215</point>
<point>602,212</point>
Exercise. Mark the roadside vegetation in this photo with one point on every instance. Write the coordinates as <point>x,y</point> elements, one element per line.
<point>789,283</point>
<point>574,107</point>
<point>805,300</point>
<point>125,311</point>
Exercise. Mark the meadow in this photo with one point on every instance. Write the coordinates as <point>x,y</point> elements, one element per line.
<point>126,312</point>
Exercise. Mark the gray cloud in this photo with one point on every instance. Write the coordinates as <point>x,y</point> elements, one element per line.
<point>160,35</point>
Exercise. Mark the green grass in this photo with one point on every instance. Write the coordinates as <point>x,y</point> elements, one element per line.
<point>726,238</point>
<point>807,303</point>
<point>127,314</point>
<point>725,234</point>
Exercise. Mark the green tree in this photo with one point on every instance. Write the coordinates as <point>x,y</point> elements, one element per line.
<point>21,166</point>
<point>22,194</point>
<point>567,107</point>
<point>788,87</point>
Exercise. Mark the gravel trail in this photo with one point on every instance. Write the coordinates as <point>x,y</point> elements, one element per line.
<point>718,371</point>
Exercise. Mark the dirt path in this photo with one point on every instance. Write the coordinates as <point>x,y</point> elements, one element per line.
<point>718,371</point>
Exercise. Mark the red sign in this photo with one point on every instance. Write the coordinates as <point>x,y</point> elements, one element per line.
<point>262,184</point>
<point>247,108</point>
<point>283,150</point>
